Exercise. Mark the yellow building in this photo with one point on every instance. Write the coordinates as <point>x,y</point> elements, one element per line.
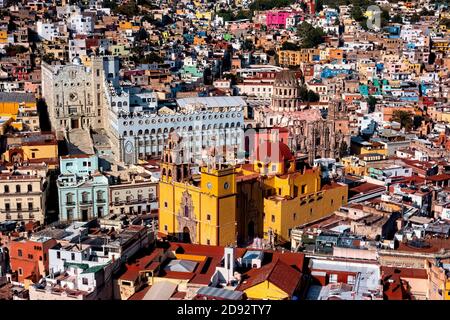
<point>125,25</point>
<point>359,146</point>
<point>4,36</point>
<point>203,15</point>
<point>292,196</point>
<point>199,41</point>
<point>438,285</point>
<point>268,282</point>
<point>353,165</point>
<point>296,57</point>
<point>198,209</point>
<point>441,45</point>
<point>207,208</point>
<point>33,147</point>
<point>10,102</point>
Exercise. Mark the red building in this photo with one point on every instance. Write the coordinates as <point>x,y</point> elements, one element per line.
<point>255,137</point>
<point>29,257</point>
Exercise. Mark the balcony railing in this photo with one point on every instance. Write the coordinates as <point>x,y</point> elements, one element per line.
<point>70,203</point>
<point>19,210</point>
<point>85,202</point>
<point>134,201</point>
<point>101,201</point>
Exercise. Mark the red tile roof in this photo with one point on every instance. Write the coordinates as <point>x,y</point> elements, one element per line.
<point>278,273</point>
<point>366,187</point>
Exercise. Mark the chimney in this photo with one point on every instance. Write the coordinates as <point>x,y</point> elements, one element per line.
<point>229,263</point>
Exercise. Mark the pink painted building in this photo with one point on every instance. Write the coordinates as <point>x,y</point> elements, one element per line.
<point>277,19</point>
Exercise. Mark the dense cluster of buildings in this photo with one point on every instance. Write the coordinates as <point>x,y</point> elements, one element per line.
<point>224,150</point>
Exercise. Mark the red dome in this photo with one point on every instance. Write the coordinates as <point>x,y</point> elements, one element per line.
<point>269,151</point>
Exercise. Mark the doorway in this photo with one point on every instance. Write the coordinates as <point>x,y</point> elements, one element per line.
<point>186,235</point>
<point>251,230</point>
<point>75,123</point>
<point>84,215</point>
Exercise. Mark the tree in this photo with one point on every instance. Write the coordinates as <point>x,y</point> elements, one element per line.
<point>303,93</point>
<point>312,96</point>
<point>397,19</point>
<point>371,101</point>
<point>241,14</point>
<point>13,50</point>
<point>405,118</point>
<point>445,21</point>
<point>48,57</point>
<point>414,18</point>
<point>384,17</point>
<point>248,45</point>
<point>343,149</point>
<point>129,9</point>
<point>311,37</point>
<point>231,77</point>
<point>262,5</point>
<point>308,95</point>
<point>142,34</point>
<point>287,45</point>
<point>227,15</point>
<point>417,122</point>
<point>426,12</point>
<point>357,14</point>
<point>319,5</point>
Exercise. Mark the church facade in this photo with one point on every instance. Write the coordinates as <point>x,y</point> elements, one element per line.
<point>199,210</point>
<point>74,93</point>
<point>310,132</point>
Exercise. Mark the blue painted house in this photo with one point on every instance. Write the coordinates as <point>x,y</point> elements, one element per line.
<point>82,190</point>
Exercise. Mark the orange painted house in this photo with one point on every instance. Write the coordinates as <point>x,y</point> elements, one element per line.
<point>29,258</point>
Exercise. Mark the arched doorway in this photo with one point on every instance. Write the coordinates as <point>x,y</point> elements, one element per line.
<point>186,235</point>
<point>251,230</point>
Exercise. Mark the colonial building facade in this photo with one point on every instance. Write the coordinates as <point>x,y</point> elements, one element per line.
<point>201,211</point>
<point>74,93</point>
<point>23,194</point>
<point>203,122</point>
<point>132,192</point>
<point>310,132</point>
<point>82,190</point>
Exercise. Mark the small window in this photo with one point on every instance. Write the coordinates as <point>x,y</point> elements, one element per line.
<point>58,255</point>
<point>304,189</point>
<point>19,252</point>
<point>351,279</point>
<point>20,271</point>
<point>72,256</point>
<point>85,281</point>
<point>208,217</point>
<point>165,227</point>
<point>273,218</point>
<point>333,278</point>
<point>165,204</point>
<point>30,256</point>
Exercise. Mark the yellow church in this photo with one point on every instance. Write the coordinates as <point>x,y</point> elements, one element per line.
<point>293,192</point>
<point>196,208</point>
<point>211,207</point>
